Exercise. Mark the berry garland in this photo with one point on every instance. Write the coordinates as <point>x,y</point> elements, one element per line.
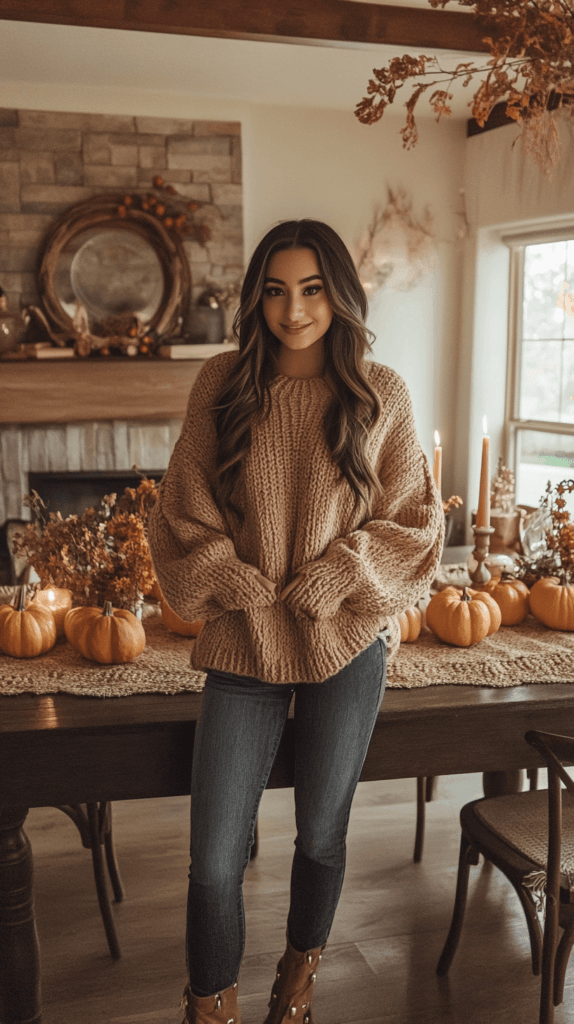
<point>168,209</point>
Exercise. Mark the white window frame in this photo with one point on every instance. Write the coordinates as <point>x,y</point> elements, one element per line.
<point>512,422</point>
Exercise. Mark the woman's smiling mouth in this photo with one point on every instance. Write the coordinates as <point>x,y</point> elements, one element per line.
<point>297,328</point>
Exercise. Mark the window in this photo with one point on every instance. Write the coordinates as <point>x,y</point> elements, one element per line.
<point>540,381</point>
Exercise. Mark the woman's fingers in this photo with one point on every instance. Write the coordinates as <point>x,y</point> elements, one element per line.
<point>272,587</point>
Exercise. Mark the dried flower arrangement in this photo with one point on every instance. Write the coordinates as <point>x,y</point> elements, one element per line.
<point>124,333</point>
<point>529,39</point>
<point>502,489</point>
<point>100,556</point>
<point>455,501</point>
<point>558,559</point>
<point>396,249</point>
<point>227,298</point>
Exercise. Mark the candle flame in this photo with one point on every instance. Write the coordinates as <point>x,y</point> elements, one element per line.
<point>437,438</point>
<point>484,426</point>
<point>51,595</point>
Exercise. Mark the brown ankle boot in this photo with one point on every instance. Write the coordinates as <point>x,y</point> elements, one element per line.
<point>220,1008</point>
<point>292,992</point>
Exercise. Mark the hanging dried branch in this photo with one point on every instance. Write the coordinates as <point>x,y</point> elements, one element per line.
<point>532,41</point>
<point>390,226</point>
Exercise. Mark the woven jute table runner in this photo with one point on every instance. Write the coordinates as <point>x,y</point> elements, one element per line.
<point>528,653</point>
<point>163,667</point>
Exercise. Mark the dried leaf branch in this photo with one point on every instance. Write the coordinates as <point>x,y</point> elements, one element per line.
<point>532,41</point>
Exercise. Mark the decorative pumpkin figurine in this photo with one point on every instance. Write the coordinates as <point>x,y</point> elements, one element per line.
<point>511,596</point>
<point>111,636</point>
<point>410,622</point>
<point>462,617</point>
<point>176,624</point>
<point>551,601</point>
<point>26,632</point>
<point>58,601</point>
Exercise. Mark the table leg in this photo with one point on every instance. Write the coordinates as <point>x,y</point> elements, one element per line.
<point>499,783</point>
<point>20,998</point>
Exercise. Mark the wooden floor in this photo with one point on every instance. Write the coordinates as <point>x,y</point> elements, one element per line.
<point>379,965</point>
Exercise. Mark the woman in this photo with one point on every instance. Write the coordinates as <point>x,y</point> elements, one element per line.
<point>296,517</point>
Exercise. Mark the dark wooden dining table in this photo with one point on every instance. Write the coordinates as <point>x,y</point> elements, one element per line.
<point>63,749</point>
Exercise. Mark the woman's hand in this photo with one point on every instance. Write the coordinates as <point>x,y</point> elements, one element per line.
<point>272,587</point>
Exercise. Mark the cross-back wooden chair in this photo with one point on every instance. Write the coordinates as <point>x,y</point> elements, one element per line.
<point>530,837</point>
<point>425,793</point>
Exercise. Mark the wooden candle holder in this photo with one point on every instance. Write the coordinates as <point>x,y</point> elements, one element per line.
<point>480,573</point>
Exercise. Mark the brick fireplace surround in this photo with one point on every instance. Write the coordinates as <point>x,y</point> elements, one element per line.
<point>102,415</point>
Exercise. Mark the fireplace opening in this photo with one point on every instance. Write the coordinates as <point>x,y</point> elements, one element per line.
<point>73,493</point>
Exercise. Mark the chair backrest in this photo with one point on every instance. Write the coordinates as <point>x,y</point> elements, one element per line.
<point>555,750</point>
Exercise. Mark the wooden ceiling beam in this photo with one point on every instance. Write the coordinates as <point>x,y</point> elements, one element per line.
<point>328,22</point>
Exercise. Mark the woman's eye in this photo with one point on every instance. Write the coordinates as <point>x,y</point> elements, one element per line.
<point>273,292</point>
<point>313,289</point>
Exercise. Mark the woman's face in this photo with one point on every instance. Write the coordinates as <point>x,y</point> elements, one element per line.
<point>295,305</point>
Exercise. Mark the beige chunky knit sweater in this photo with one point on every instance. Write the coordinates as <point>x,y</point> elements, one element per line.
<point>299,522</point>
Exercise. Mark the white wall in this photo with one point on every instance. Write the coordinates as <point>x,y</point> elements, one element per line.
<point>506,191</point>
<point>301,161</point>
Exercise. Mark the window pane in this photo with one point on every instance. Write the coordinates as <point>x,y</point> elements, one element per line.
<point>540,380</point>
<point>548,279</point>
<point>542,457</point>
<point>568,385</point>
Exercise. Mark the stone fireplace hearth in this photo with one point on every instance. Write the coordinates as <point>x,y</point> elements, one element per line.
<point>87,416</point>
<point>87,448</point>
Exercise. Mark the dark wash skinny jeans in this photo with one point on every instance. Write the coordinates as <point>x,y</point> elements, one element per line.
<point>237,736</point>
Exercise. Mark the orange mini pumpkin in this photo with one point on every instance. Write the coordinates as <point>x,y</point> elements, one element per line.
<point>176,624</point>
<point>111,636</point>
<point>410,622</point>
<point>26,632</point>
<point>552,601</point>
<point>462,617</point>
<point>511,596</point>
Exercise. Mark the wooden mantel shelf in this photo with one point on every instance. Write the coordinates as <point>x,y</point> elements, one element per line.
<point>67,392</point>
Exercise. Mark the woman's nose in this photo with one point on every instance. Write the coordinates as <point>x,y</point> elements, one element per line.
<point>295,307</point>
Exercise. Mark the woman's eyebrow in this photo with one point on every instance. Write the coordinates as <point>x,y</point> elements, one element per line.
<point>277,280</point>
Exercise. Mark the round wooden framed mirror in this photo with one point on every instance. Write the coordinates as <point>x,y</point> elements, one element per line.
<point>113,265</point>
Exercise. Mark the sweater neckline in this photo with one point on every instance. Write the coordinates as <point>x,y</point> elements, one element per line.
<point>285,377</point>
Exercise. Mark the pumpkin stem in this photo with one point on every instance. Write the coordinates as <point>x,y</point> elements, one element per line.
<point>465,595</point>
<point>20,602</point>
<point>108,609</point>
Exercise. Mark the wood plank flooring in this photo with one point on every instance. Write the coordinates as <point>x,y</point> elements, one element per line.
<point>379,964</point>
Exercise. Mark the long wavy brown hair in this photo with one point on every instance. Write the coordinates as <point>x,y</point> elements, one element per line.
<point>245,397</point>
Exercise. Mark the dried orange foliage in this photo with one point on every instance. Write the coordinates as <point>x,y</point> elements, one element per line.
<point>558,559</point>
<point>455,501</point>
<point>529,39</point>
<point>560,537</point>
<point>100,556</point>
